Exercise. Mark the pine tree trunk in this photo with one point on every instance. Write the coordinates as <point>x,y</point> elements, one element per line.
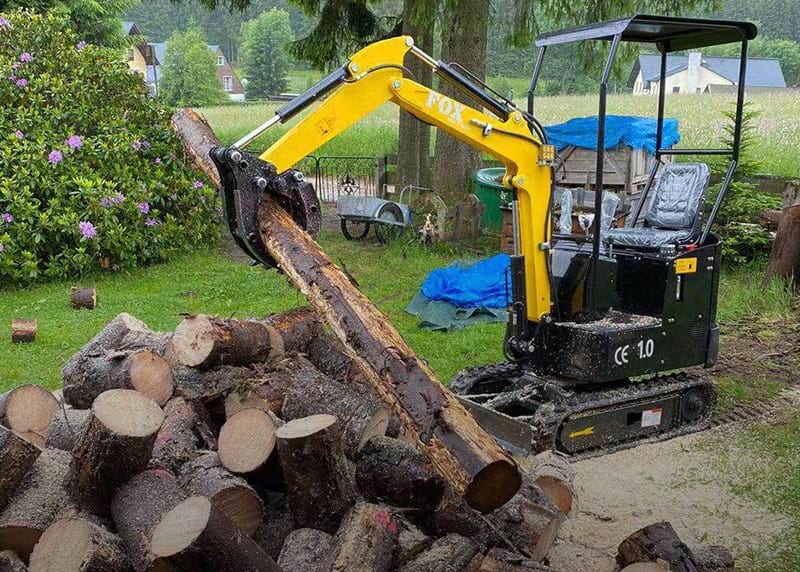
<point>414,136</point>
<point>464,41</point>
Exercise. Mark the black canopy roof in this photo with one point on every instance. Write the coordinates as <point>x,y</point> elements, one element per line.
<point>669,34</point>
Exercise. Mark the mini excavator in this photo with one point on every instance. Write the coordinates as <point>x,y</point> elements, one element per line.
<point>602,328</point>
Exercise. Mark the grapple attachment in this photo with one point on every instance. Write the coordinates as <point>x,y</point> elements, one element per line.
<point>244,180</point>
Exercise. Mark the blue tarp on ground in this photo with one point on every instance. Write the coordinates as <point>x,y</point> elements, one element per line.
<point>635,132</point>
<point>471,285</point>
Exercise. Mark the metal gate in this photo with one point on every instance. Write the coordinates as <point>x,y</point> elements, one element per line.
<point>353,176</point>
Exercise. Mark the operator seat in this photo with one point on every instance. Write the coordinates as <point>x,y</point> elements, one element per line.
<point>674,214</point>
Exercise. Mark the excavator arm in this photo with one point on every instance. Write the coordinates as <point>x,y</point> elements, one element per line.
<point>374,76</point>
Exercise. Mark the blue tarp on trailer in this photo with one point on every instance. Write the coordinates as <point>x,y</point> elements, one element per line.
<point>635,132</point>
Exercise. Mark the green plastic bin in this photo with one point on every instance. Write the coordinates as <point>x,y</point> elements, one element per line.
<point>492,194</point>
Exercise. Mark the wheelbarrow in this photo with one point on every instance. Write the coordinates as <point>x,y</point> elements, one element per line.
<point>358,214</point>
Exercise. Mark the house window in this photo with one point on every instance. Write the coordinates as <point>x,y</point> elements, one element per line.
<point>676,89</point>
<point>227,83</point>
<point>220,61</point>
<point>130,54</point>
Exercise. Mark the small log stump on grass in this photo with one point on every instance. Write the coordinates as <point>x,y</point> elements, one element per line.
<point>23,331</point>
<point>82,298</point>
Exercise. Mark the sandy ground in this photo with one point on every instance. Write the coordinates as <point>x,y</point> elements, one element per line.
<point>674,481</point>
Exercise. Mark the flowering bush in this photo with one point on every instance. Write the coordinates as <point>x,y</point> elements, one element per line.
<point>91,174</point>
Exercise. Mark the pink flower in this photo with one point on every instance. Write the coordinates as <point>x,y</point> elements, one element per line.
<point>8,218</point>
<point>151,222</point>
<point>87,229</point>
<point>22,82</point>
<point>198,184</point>
<point>25,57</point>
<point>117,199</point>
<point>81,46</point>
<point>143,207</point>
<point>19,134</point>
<point>2,248</point>
<point>74,142</point>
<point>106,203</point>
<point>158,160</point>
<point>55,156</point>
<point>4,23</point>
<point>136,145</point>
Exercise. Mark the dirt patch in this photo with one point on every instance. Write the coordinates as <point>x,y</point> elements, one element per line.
<point>674,481</point>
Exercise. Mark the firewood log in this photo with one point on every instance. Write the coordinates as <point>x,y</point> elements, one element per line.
<point>66,428</point>
<point>277,525</point>
<point>39,499</point>
<point>228,493</point>
<point>265,392</point>
<point>123,333</point>
<point>505,561</point>
<point>116,446</point>
<point>142,370</point>
<point>554,476</point>
<point>17,456</point>
<point>784,259</point>
<point>528,523</point>
<point>23,331</point>
<point>83,298</point>
<point>305,549</point>
<point>319,486</point>
<point>450,553</point>
<point>246,441</point>
<point>27,410</point>
<point>391,471</point>
<point>10,562</point>
<point>411,542</point>
<point>75,544</point>
<point>160,525</point>
<point>176,442</point>
<point>206,341</point>
<point>654,542</point>
<point>359,419</point>
<point>365,542</point>
<point>469,458</point>
<point>713,558</point>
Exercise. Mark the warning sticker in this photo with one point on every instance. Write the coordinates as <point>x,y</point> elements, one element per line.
<point>651,417</point>
<point>686,265</point>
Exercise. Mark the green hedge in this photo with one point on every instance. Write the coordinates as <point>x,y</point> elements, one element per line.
<point>92,175</point>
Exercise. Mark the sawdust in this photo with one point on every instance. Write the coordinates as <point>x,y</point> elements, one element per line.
<point>677,481</point>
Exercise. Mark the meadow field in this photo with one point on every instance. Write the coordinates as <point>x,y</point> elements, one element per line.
<point>701,120</point>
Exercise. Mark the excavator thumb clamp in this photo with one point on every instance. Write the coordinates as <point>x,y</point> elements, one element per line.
<point>244,180</point>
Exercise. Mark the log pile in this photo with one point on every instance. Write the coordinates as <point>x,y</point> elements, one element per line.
<point>222,462</point>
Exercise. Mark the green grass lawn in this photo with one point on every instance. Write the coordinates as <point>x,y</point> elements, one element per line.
<point>701,122</point>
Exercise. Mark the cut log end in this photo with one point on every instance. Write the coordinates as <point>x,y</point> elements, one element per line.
<point>180,527</point>
<point>192,342</point>
<point>28,409</point>
<point>83,298</point>
<point>493,486</point>
<point>246,441</point>
<point>77,545</point>
<point>23,331</point>
<point>128,413</point>
<point>151,375</point>
<point>305,426</point>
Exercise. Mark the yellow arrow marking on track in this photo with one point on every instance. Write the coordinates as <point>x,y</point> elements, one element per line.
<point>582,432</point>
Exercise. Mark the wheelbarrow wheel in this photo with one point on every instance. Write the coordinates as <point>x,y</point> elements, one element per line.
<point>354,229</point>
<point>387,231</point>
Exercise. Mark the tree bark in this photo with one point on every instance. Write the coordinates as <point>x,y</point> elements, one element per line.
<point>654,542</point>
<point>784,260</point>
<point>39,499</point>
<point>142,370</point>
<point>228,493</point>
<point>27,410</point>
<point>470,460</point>
<point>277,525</point>
<point>265,391</point>
<point>116,446</point>
<point>78,545</point>
<point>414,136</point>
<point>176,442</point>
<point>17,456</point>
<point>504,561</point>
<point>246,441</point>
<point>23,331</point>
<point>464,35</point>
<point>449,553</point>
<point>160,525</point>
<point>712,557</point>
<point>553,474</point>
<point>10,562</point>
<point>305,549</point>
<point>365,542</point>
<point>330,356</point>
<point>67,427</point>
<point>391,471</point>
<point>83,298</point>
<point>122,333</point>
<point>411,542</point>
<point>358,417</point>
<point>319,486</point>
